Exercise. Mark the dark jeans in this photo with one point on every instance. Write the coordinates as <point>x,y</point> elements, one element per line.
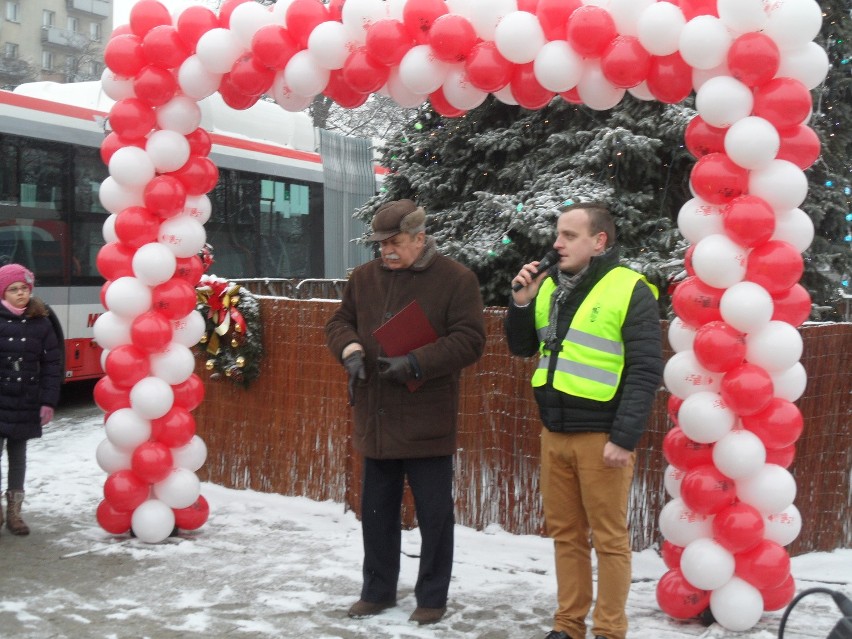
<point>431,481</point>
<point>17,452</point>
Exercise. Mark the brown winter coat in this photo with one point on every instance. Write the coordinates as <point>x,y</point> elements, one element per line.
<point>390,421</point>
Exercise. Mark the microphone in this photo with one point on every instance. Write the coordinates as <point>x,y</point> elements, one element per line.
<point>550,258</point>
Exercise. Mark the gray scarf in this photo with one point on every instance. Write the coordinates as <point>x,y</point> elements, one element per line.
<point>566,284</point>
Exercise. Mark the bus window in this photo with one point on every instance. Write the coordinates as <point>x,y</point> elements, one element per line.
<point>37,243</point>
<point>89,172</point>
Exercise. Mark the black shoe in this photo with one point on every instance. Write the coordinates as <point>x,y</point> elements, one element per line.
<point>557,634</point>
<point>599,637</point>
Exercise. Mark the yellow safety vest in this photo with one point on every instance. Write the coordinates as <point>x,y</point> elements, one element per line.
<point>592,356</point>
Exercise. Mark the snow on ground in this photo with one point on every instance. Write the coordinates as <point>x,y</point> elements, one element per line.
<point>266,566</point>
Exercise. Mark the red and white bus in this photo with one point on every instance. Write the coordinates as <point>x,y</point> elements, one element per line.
<point>270,216</point>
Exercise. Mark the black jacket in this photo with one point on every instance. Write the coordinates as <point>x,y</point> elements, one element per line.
<point>30,372</point>
<point>624,416</point>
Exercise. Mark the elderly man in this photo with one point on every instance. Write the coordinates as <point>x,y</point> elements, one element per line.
<point>404,433</point>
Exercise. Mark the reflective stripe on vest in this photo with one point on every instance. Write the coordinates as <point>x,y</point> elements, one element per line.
<point>592,356</point>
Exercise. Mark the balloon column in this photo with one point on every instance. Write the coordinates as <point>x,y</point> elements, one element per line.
<point>736,373</point>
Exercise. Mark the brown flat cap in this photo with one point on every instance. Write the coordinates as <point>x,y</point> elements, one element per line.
<point>393,218</point>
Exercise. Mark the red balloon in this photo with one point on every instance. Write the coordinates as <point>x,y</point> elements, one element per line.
<point>152,461</point>
<point>527,90</point>
<point>233,97</point>
<point>695,8</point>
<point>113,142</point>
<point>115,260</point>
<point>785,102</point>
<point>746,389</point>
<point>335,10</point>
<point>174,429</point>
<point>678,598</point>
<point>705,490</point>
<point>154,85</point>
<point>190,269</point>
<point>683,453</point>
<point>388,41</point>
<point>719,347</point>
<point>673,405</point>
<point>452,37</point>
<point>151,332</point>
<point>126,365</point>
<point>189,394</point>
<point>109,396</point>
<point>342,92</point>
<point>125,490</point>
<point>164,47</point>
<point>225,11</point>
<point>250,76</point>
<point>194,22</point>
<point>131,118</point>
<point>783,457</point>
<point>792,306</point>
<point>147,14</point>
<point>553,16</point>
<point>775,265</point>
<point>529,6</point>
<point>754,58</point>
<point>799,145</point>
<point>199,142</point>
<point>192,517</point>
<point>103,293</point>
<point>778,597</point>
<point>199,175</point>
<point>671,554</point>
<point>779,425</point>
<point>765,566</point>
<point>111,520</point>
<point>687,260</point>
<point>696,303</point>
<point>486,68</point>
<point>442,106</point>
<point>123,29</point>
<point>717,179</point>
<point>703,139</point>
<point>738,527</point>
<point>164,196</point>
<point>418,16</point>
<point>590,30</point>
<point>302,17</point>
<point>669,78</point>
<point>174,299</point>
<point>364,73</point>
<point>748,220</point>
<point>123,55</point>
<point>625,63</point>
<point>572,96</point>
<point>273,46</point>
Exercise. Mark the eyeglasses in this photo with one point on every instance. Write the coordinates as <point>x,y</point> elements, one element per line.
<point>18,289</point>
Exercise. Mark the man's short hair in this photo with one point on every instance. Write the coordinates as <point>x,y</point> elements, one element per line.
<point>600,218</point>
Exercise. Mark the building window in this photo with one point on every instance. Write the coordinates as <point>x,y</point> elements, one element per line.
<point>95,31</point>
<point>48,18</point>
<point>12,11</point>
<point>10,50</point>
<point>47,61</point>
<point>72,24</point>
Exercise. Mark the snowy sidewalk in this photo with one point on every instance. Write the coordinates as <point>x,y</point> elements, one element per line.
<point>267,566</point>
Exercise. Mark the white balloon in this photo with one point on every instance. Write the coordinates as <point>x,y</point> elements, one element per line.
<point>151,397</point>
<point>116,87</point>
<point>775,347</point>
<point>286,98</point>
<point>781,183</point>
<point>794,227</point>
<point>218,49</point>
<point>304,76</point>
<point>359,15</point>
<point>330,44</point>
<point>737,605</point>
<point>460,93</point>
<point>742,16</point>
<point>659,28</point>
<point>706,564</point>
<point>183,236</point>
<point>111,458</point>
<point>739,454</point>
<point>752,142</point>
<point>505,95</point>
<point>485,15</point>
<point>626,13</point>
<point>701,76</point>
<point>684,376</point>
<point>115,197</point>
<point>198,207</point>
<point>723,100</point>
<point>705,418</point>
<point>111,330</point>
<point>641,92</point>
<point>672,479</point>
<point>789,384</point>
<point>681,526</point>
<point>195,80</point>
<point>128,297</point>
<point>154,263</point>
<point>719,261</point>
<point>595,90</point>
<point>188,330</point>
<point>279,11</point>
<point>793,24</point>
<point>808,64</point>
<point>400,94</point>
<point>770,490</point>
<point>108,229</point>
<point>192,455</point>
<point>557,66</point>
<point>681,335</point>
<point>746,306</point>
<point>704,42</point>
<point>131,167</point>
<point>181,114</point>
<point>246,19</point>
<point>153,521</point>
<point>179,490</point>
<point>519,37</point>
<point>168,150</point>
<point>420,71</point>
<point>698,219</point>
<point>174,365</point>
<point>126,429</point>
<point>783,527</point>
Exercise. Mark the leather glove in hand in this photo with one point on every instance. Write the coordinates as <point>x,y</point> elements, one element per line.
<point>354,364</point>
<point>395,369</point>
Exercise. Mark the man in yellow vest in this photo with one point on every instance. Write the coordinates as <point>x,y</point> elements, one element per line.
<point>595,326</point>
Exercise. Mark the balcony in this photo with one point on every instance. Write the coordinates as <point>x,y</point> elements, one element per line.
<point>99,8</point>
<point>63,38</point>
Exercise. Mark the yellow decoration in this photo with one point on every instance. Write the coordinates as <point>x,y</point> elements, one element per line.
<point>241,361</point>
<point>210,364</point>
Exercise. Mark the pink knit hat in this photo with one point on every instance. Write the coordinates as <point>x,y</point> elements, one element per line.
<point>12,273</point>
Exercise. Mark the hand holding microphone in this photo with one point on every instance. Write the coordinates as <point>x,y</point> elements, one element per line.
<point>528,276</point>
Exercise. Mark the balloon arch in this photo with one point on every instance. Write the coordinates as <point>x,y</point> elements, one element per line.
<point>736,371</point>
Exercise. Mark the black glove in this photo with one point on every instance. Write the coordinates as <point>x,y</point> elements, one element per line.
<point>354,364</point>
<point>398,369</point>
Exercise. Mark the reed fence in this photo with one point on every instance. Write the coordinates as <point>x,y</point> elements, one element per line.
<point>290,432</point>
